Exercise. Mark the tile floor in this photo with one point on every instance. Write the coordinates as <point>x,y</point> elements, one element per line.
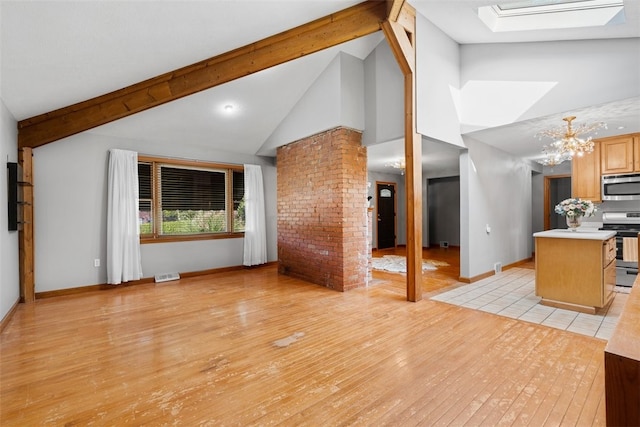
<point>511,293</point>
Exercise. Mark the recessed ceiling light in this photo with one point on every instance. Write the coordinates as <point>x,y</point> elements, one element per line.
<point>228,108</point>
<point>620,127</point>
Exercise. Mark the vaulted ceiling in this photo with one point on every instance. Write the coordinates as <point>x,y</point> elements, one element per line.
<point>55,54</point>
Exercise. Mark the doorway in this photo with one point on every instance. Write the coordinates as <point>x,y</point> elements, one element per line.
<point>556,189</point>
<point>443,207</point>
<point>386,214</point>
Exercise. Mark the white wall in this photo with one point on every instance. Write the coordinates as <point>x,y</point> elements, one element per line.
<point>335,99</point>
<point>495,191</point>
<point>438,83</point>
<point>369,136</point>
<point>581,73</point>
<point>9,272</point>
<point>384,97</point>
<point>351,92</point>
<point>70,185</point>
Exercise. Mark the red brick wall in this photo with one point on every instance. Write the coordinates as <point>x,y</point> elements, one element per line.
<point>322,209</point>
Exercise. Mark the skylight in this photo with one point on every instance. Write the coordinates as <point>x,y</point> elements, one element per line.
<point>549,14</point>
<point>536,4</point>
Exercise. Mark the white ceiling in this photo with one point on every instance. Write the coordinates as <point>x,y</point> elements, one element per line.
<point>56,53</point>
<point>459,20</point>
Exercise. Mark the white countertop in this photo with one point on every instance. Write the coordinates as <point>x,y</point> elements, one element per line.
<point>582,233</point>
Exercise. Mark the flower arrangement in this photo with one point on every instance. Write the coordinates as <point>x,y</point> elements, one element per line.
<point>575,207</point>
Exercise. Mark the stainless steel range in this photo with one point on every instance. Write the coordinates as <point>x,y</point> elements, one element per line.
<point>626,225</point>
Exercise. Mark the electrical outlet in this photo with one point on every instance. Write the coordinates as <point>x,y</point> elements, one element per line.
<point>96,262</point>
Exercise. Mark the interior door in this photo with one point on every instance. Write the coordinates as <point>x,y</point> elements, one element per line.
<point>386,215</point>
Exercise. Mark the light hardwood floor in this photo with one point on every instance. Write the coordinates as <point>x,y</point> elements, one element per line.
<point>256,348</point>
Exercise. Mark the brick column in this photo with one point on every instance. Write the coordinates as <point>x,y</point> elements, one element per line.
<point>322,209</point>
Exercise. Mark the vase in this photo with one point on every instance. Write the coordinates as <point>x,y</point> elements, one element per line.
<point>573,222</point>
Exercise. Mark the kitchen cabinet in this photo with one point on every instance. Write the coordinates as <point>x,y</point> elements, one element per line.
<point>575,270</point>
<point>636,153</point>
<point>617,155</point>
<point>585,176</point>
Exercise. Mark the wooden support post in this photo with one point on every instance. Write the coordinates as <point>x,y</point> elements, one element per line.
<point>413,192</point>
<point>25,237</point>
<point>399,30</point>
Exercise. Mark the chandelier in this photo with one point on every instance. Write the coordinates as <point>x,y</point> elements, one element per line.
<point>567,142</point>
<point>397,164</point>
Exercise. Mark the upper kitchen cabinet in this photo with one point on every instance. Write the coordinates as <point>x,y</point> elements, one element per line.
<point>617,155</point>
<point>636,153</point>
<point>585,176</point>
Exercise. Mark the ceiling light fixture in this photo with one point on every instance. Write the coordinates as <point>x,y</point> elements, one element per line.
<point>228,108</point>
<point>397,164</point>
<point>567,142</point>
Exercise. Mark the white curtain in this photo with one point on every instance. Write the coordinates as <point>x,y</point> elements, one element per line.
<point>255,232</point>
<point>123,232</point>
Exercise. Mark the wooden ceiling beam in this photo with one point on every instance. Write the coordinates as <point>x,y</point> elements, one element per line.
<point>348,24</point>
<point>400,46</point>
<point>407,18</point>
<point>394,7</point>
<point>400,30</point>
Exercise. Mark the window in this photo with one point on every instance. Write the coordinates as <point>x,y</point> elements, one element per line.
<point>184,200</point>
<point>551,14</point>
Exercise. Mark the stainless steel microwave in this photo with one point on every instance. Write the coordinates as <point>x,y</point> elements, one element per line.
<point>621,187</point>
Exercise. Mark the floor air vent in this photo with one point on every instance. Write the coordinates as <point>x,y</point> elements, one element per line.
<point>444,244</point>
<point>166,277</point>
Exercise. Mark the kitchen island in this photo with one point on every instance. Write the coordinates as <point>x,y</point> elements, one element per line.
<point>575,270</point>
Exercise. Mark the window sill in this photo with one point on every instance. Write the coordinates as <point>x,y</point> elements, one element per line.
<point>168,239</point>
